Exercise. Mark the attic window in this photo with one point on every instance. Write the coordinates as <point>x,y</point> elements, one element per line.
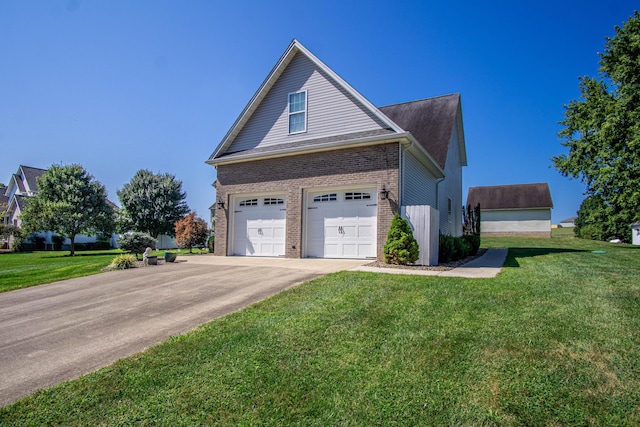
<point>298,112</point>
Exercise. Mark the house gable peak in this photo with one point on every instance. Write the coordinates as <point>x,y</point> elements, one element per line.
<point>294,49</point>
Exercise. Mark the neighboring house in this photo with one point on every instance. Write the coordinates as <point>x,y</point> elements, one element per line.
<point>166,242</point>
<point>522,209</point>
<point>568,223</point>
<point>22,185</point>
<point>4,203</point>
<point>311,168</point>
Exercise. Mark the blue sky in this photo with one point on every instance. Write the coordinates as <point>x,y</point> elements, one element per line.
<point>119,86</point>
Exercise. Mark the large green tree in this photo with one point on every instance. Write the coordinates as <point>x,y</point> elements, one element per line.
<point>69,202</point>
<point>153,203</point>
<point>602,130</point>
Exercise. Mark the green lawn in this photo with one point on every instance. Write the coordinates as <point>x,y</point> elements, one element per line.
<point>21,270</point>
<point>553,340</point>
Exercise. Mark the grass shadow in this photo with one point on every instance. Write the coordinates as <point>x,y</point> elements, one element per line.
<point>516,253</point>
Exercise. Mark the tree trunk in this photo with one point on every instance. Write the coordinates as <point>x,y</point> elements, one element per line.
<point>72,238</point>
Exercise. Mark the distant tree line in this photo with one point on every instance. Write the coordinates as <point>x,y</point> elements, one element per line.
<point>71,202</point>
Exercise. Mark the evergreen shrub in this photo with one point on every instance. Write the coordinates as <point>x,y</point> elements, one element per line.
<point>401,247</point>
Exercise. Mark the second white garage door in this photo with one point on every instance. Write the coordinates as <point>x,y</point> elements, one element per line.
<point>341,224</point>
<point>259,224</point>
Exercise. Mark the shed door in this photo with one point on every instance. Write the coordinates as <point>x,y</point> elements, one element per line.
<point>341,224</point>
<point>259,225</point>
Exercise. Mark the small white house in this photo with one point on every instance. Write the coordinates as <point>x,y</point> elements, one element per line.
<point>635,233</point>
<point>513,210</point>
<point>568,223</point>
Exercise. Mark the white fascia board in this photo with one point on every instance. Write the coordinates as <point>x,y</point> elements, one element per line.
<point>462,145</point>
<point>416,148</point>
<point>359,142</point>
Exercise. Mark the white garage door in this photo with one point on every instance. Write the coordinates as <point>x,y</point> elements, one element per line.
<point>259,225</point>
<point>341,224</point>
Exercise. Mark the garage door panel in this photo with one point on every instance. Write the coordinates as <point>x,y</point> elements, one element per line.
<point>279,233</point>
<point>330,251</point>
<point>365,231</point>
<point>259,226</point>
<point>341,224</point>
<point>331,231</point>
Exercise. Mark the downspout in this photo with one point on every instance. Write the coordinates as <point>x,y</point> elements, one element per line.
<point>438,193</point>
<point>403,147</point>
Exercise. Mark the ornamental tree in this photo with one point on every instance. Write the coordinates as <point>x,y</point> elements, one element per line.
<point>602,131</point>
<point>191,231</point>
<point>401,247</point>
<point>69,202</point>
<point>153,202</point>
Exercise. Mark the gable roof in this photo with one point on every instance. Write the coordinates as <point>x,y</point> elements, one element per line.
<point>294,48</point>
<point>425,125</point>
<point>431,122</point>
<point>517,196</point>
<point>17,181</point>
<point>30,175</point>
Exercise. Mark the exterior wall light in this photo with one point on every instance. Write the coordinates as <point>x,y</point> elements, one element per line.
<point>220,203</point>
<point>384,193</point>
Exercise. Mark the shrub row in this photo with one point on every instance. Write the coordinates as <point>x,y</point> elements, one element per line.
<point>456,248</point>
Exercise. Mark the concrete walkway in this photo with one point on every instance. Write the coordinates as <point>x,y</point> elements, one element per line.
<point>485,267</point>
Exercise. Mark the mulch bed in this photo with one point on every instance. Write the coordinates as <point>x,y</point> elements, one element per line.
<point>440,267</point>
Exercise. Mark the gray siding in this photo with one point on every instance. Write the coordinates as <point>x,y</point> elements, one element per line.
<point>451,188</point>
<point>418,185</point>
<point>330,110</point>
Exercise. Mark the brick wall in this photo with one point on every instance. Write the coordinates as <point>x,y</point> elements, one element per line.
<point>376,165</point>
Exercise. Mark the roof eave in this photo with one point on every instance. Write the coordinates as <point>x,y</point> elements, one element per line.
<point>516,209</point>
<point>432,165</point>
<point>358,142</point>
<point>461,139</point>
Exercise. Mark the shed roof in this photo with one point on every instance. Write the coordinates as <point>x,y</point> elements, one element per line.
<point>516,196</point>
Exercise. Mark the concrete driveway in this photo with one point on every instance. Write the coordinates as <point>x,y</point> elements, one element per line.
<point>56,332</point>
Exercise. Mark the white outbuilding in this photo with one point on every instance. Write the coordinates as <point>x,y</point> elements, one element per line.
<point>635,233</point>
<point>513,210</point>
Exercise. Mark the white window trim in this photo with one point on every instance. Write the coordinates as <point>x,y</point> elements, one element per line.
<point>289,113</point>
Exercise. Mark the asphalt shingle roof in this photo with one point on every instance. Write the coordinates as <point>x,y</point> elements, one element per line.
<point>516,196</point>
<point>429,120</point>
